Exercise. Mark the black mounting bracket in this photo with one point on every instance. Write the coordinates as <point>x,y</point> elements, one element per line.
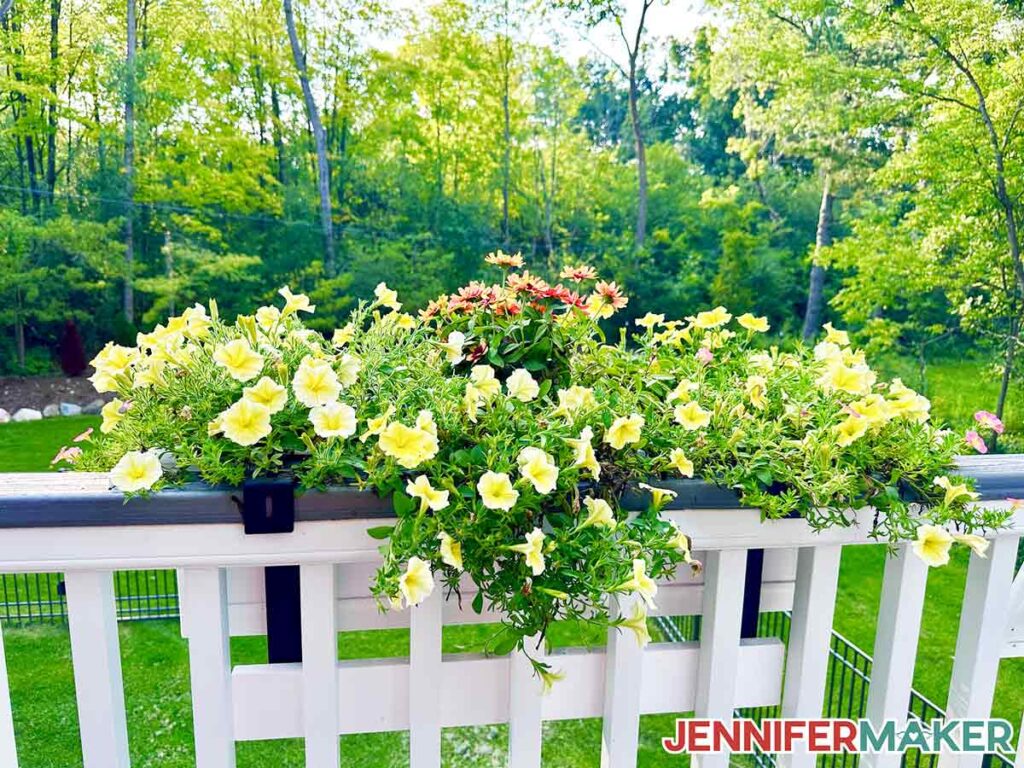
<point>752,593</point>
<point>268,506</point>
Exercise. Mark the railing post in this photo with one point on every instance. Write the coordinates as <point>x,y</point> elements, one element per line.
<point>319,665</point>
<point>895,651</point>
<point>8,746</point>
<point>96,654</point>
<point>980,641</point>
<point>724,577</point>
<point>209,653</point>
<point>623,663</point>
<point>425,682</point>
<point>525,725</point>
<point>814,601</point>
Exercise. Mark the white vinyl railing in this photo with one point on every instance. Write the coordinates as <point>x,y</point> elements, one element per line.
<point>51,523</point>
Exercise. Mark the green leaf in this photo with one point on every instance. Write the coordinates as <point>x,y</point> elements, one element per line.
<point>478,602</point>
<point>381,531</point>
<point>404,505</point>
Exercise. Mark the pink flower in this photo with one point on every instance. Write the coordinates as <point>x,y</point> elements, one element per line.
<point>1015,503</point>
<point>69,455</point>
<point>84,436</point>
<point>705,355</point>
<point>975,441</point>
<point>990,420</point>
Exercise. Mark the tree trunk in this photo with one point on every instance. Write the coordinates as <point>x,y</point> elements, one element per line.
<point>51,109</point>
<point>505,59</point>
<point>129,167</point>
<point>640,235</point>
<point>319,140</point>
<point>816,287</point>
<point>275,132</point>
<point>19,329</point>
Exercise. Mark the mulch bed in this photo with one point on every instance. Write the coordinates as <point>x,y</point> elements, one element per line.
<point>38,391</point>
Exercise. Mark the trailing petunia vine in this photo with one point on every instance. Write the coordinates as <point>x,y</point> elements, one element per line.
<point>505,428</point>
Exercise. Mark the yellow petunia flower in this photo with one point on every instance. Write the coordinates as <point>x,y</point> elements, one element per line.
<point>682,389</point>
<point>295,302</point>
<point>333,420</point>
<point>409,446</point>
<point>650,320</point>
<point>573,400</point>
<point>522,386</point>
<point>425,421</point>
<point>852,428</point>
<point>637,623</point>
<point>583,452</point>
<point>659,496</point>
<point>136,471</point>
<point>343,336</point>
<point>496,491</point>
<point>453,347</point>
<point>842,338</point>
<point>239,359</point>
<point>680,542</point>
<point>315,383</point>
<point>268,393</point>
<point>640,583</point>
<point>532,550</point>
<point>472,401</point>
<point>539,469</point>
<point>954,492</point>
<point>112,414</point>
<point>267,317</point>
<point>387,297</point>
<point>842,378</point>
<point>977,544</point>
<point>678,461</point>
<point>599,513</point>
<point>417,582</point>
<point>712,318</point>
<point>377,424</point>
<point>451,551</point>
<point>691,416</point>
<point>348,369</point>
<point>625,429</point>
<point>429,496</point>
<point>752,323</point>
<point>482,377</point>
<point>932,545</point>
<point>756,389</point>
<point>245,422</point>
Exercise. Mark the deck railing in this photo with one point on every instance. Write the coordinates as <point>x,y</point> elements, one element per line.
<point>75,525</point>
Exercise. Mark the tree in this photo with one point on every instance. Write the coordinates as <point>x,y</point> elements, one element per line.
<point>323,170</point>
<point>795,70</point>
<point>596,12</point>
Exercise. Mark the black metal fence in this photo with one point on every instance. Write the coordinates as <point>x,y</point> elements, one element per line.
<point>35,598</point>
<point>846,692</point>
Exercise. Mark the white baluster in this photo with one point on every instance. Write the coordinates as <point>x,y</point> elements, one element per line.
<point>525,726</point>
<point>622,684</point>
<point>899,627</point>
<point>319,666</point>
<point>817,575</point>
<point>425,682</point>
<point>99,690</point>
<point>8,747</point>
<point>980,640</point>
<point>1019,762</point>
<point>209,652</point>
<point>719,642</point>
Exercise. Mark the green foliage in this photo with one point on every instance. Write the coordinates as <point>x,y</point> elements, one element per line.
<point>505,430</point>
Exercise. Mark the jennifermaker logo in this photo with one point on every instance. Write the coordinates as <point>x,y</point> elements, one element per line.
<point>828,735</point>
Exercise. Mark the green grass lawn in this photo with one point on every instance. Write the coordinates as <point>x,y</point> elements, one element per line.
<point>155,658</point>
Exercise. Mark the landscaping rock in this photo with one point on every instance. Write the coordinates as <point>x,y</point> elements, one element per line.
<point>26,414</point>
<point>94,407</point>
<point>4,416</point>
<point>51,410</point>
<point>70,409</point>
